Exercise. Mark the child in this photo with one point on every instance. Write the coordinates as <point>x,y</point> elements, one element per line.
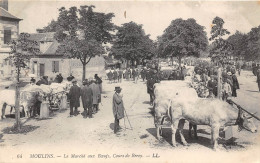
<point>226,90</point>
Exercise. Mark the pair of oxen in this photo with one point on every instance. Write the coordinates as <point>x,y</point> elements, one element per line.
<point>177,102</point>
<point>30,95</point>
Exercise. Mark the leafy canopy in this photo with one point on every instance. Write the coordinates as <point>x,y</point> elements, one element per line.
<point>220,47</point>
<point>22,50</point>
<point>182,38</point>
<point>82,32</point>
<point>131,43</point>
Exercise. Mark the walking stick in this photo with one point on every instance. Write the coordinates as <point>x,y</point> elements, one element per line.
<point>128,120</point>
<point>124,123</point>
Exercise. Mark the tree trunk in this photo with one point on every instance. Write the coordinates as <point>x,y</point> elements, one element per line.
<point>17,103</point>
<point>179,58</point>
<point>172,60</point>
<point>84,72</point>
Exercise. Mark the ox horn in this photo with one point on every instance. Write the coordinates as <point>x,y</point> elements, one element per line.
<point>251,116</point>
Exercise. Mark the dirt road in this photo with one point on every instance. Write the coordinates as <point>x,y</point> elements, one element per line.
<point>63,136</point>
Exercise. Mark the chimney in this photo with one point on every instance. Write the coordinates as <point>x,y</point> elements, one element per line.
<point>40,30</point>
<point>4,4</point>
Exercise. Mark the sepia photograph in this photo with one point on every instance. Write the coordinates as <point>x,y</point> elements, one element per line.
<point>129,81</point>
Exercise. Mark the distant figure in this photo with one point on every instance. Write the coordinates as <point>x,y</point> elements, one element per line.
<point>115,76</point>
<point>43,80</point>
<point>32,81</point>
<point>110,76</point>
<point>226,91</point>
<point>58,78</point>
<point>213,85</point>
<point>235,85</point>
<point>87,98</point>
<point>70,78</point>
<point>96,96</point>
<point>99,82</point>
<point>143,74</point>
<point>73,96</point>
<point>118,108</point>
<point>258,77</point>
<point>150,91</point>
<point>120,75</point>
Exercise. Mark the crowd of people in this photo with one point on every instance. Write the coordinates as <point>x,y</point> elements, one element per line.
<point>90,94</point>
<point>207,77</point>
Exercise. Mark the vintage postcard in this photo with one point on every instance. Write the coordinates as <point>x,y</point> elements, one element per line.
<point>129,81</point>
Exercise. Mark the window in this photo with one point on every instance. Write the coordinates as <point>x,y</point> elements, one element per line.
<point>7,36</point>
<point>55,66</point>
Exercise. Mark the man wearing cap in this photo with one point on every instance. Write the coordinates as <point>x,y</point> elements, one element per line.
<point>87,97</point>
<point>74,95</point>
<point>118,108</point>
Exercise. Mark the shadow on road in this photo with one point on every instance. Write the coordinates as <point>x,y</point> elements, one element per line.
<point>251,91</point>
<point>151,111</point>
<point>146,102</point>
<point>202,131</point>
<point>24,129</point>
<point>1,136</point>
<point>112,126</point>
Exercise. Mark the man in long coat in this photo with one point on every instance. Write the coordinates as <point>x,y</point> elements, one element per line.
<point>213,85</point>
<point>74,95</point>
<point>258,77</point>
<point>118,108</point>
<point>87,98</point>
<point>150,91</point>
<point>96,95</point>
<point>235,85</point>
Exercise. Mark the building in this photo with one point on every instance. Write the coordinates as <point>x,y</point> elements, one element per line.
<point>9,30</point>
<point>49,63</point>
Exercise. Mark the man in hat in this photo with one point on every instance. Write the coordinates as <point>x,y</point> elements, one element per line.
<point>99,82</point>
<point>118,108</point>
<point>150,91</point>
<point>258,76</point>
<point>96,95</point>
<point>74,95</point>
<point>213,85</point>
<point>235,84</point>
<point>87,97</point>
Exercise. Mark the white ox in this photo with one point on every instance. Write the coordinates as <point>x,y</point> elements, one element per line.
<point>164,93</point>
<point>27,100</point>
<point>212,112</point>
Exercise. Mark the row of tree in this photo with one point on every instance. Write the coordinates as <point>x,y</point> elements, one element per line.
<point>83,34</point>
<point>246,45</point>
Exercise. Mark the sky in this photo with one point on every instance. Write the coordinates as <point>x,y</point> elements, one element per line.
<point>155,16</point>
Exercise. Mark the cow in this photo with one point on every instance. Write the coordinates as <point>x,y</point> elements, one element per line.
<point>166,92</point>
<point>27,100</point>
<point>211,112</point>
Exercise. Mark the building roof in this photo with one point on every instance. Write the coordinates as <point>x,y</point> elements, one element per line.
<point>51,45</point>
<point>6,14</point>
<point>42,37</point>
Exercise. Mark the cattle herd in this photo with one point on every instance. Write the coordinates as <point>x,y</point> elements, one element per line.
<point>174,101</point>
<point>31,97</point>
<point>177,101</point>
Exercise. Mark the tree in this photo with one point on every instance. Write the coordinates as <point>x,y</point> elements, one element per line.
<point>22,50</point>
<point>51,27</point>
<point>182,38</point>
<point>220,47</point>
<point>82,33</point>
<point>253,45</point>
<point>239,44</point>
<point>132,44</point>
